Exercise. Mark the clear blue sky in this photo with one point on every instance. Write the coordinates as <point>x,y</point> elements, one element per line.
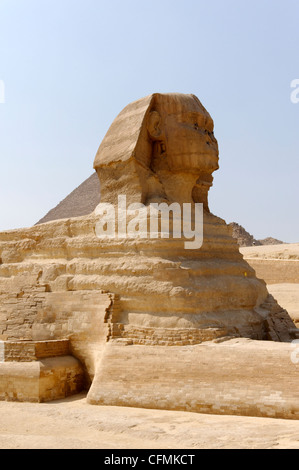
<point>70,66</point>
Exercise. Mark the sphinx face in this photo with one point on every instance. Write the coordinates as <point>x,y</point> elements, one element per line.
<point>185,151</point>
<point>171,137</point>
<point>189,138</point>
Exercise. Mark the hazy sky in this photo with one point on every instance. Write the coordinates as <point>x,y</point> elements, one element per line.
<point>70,66</point>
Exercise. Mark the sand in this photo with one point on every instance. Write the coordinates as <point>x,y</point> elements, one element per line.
<point>74,424</point>
<point>282,251</point>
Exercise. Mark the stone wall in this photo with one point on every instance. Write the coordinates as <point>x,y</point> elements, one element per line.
<point>81,317</point>
<point>38,381</point>
<point>26,351</point>
<point>276,271</point>
<point>238,376</point>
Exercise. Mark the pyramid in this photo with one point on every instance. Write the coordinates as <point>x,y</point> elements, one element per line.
<point>82,201</point>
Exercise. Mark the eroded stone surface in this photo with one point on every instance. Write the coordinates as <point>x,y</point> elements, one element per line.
<point>59,280</point>
<point>51,378</point>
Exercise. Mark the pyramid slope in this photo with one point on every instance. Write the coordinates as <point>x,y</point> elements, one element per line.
<point>82,201</point>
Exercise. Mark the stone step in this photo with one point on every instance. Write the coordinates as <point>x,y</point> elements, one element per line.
<point>27,351</point>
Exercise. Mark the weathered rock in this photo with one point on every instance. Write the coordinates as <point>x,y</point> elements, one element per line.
<point>243,237</point>
<point>60,280</point>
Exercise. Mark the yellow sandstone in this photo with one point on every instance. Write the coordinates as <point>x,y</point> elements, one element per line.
<point>152,323</point>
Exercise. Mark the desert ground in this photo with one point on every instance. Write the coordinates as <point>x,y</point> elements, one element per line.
<point>74,424</point>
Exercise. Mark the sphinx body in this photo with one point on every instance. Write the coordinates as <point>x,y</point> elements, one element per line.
<point>59,280</point>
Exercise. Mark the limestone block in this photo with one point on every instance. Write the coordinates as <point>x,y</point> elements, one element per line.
<point>238,376</point>
<point>27,351</point>
<point>44,380</point>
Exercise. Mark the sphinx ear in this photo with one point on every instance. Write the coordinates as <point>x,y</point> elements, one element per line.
<point>154,126</point>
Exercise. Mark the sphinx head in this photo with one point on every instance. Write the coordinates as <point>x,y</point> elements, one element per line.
<point>161,147</point>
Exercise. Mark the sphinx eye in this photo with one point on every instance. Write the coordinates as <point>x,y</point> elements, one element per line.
<point>196,126</point>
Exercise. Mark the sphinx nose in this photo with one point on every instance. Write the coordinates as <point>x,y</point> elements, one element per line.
<point>210,137</point>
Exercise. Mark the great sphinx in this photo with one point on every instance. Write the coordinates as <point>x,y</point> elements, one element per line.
<point>163,148</point>
<point>135,307</point>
